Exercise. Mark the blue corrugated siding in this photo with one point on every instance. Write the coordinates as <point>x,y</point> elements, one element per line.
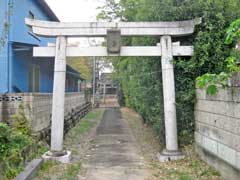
<point>20,12</point>
<point>22,60</point>
<point>14,65</point>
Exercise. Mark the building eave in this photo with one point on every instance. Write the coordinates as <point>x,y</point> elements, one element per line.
<point>48,10</point>
<point>74,72</point>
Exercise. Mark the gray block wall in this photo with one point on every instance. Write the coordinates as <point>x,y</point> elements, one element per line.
<point>217,133</point>
<point>38,107</point>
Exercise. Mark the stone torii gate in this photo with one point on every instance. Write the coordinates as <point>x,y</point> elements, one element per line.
<point>166,49</point>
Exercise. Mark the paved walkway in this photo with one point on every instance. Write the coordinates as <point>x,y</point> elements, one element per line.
<point>114,154</point>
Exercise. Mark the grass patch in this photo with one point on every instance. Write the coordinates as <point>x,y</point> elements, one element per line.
<point>71,172</point>
<point>46,170</point>
<point>175,174</point>
<point>202,169</point>
<point>183,176</point>
<point>57,171</point>
<point>186,169</point>
<point>46,166</point>
<point>86,123</point>
<point>93,115</point>
<point>81,128</point>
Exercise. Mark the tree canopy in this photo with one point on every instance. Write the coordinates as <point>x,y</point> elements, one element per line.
<point>83,65</point>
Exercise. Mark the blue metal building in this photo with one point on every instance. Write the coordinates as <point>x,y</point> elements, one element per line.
<point>19,70</point>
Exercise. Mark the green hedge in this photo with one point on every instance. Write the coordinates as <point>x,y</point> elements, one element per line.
<point>140,78</point>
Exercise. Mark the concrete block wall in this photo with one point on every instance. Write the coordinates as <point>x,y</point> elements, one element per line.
<point>38,107</point>
<point>9,104</point>
<point>217,133</point>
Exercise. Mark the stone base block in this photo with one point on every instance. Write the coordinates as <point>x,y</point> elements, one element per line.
<point>166,156</point>
<point>63,157</point>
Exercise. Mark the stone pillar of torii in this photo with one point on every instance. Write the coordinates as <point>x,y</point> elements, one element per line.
<point>113,31</point>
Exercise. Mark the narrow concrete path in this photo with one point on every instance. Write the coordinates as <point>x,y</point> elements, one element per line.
<point>114,153</point>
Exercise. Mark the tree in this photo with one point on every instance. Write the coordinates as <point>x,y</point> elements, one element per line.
<point>110,11</point>
<point>83,65</point>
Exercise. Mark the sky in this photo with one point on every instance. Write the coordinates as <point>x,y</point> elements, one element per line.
<point>77,11</point>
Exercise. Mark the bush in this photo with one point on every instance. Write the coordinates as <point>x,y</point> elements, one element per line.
<point>212,81</point>
<point>12,145</point>
<point>140,78</point>
<point>4,139</point>
<point>17,145</point>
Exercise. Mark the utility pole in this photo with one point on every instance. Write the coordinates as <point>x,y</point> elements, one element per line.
<point>104,92</point>
<point>94,79</point>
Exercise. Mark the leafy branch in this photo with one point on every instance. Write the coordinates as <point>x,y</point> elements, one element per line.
<point>212,81</point>
<point>110,11</point>
<point>233,32</point>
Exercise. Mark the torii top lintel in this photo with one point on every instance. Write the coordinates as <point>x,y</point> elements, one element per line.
<point>99,29</point>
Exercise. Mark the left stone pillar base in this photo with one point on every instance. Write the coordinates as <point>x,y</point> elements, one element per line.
<point>63,157</point>
<point>166,156</point>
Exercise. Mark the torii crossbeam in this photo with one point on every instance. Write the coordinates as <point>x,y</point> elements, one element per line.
<point>166,49</point>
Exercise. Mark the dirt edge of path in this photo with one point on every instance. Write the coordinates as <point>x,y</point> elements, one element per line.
<point>190,168</point>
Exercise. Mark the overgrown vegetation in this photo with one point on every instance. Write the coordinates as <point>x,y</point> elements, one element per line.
<point>187,169</point>
<point>74,142</point>
<point>140,78</point>
<point>212,81</point>
<point>64,171</point>
<point>17,146</point>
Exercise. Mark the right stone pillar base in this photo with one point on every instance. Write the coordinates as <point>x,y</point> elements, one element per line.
<point>166,156</point>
